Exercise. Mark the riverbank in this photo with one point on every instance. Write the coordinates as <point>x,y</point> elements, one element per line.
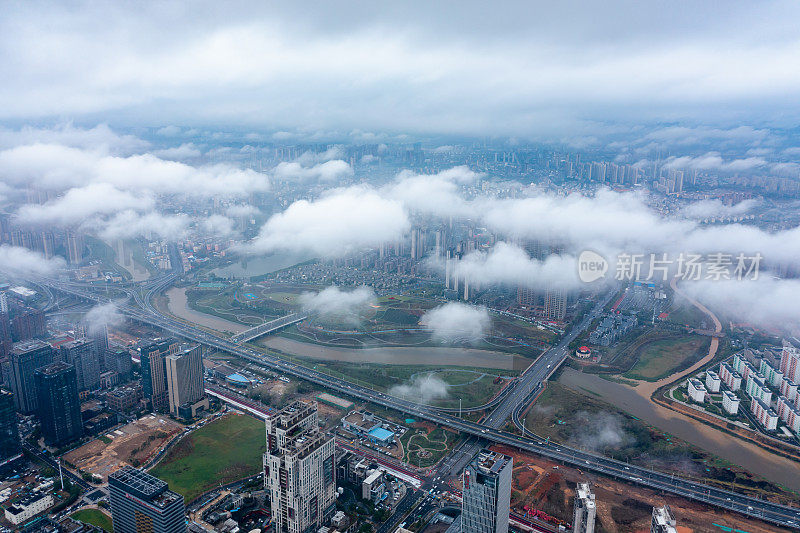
<point>401,355</point>
<point>749,456</point>
<point>178,305</point>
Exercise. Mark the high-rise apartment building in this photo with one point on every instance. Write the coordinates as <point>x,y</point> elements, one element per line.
<point>154,372</point>
<point>59,405</point>
<point>555,303</point>
<point>83,354</point>
<point>6,339</point>
<point>119,360</point>
<point>74,246</point>
<point>18,371</point>
<point>585,509</point>
<point>663,520</point>
<point>486,493</point>
<point>299,471</point>
<point>141,503</point>
<point>790,363</point>
<point>10,449</point>
<point>185,383</point>
<point>28,323</point>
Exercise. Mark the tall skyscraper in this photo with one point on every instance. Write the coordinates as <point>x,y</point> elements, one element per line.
<point>18,371</point>
<point>185,384</point>
<point>59,405</point>
<point>154,372</point>
<point>74,247</point>
<point>141,503</point>
<point>663,520</point>
<point>6,340</point>
<point>555,303</point>
<point>585,510</point>
<point>486,493</point>
<point>119,360</point>
<point>10,448</point>
<point>790,363</point>
<point>298,469</point>
<point>83,354</point>
<point>28,323</point>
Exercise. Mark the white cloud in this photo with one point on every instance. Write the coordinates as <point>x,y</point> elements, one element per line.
<point>519,70</point>
<point>341,222</point>
<point>421,388</point>
<point>179,153</point>
<point>217,225</point>
<point>328,171</point>
<point>81,203</point>
<point>58,167</point>
<point>100,138</point>
<point>16,260</point>
<point>506,264</point>
<point>456,322</point>
<point>437,194</point>
<point>715,208</point>
<point>335,305</point>
<point>130,224</point>
<point>102,315</point>
<point>767,302</point>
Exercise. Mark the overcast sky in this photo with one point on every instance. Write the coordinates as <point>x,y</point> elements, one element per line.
<point>474,68</point>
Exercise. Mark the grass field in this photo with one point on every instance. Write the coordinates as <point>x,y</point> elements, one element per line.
<point>223,451</point>
<point>474,386</point>
<point>94,517</point>
<point>662,357</point>
<point>423,449</point>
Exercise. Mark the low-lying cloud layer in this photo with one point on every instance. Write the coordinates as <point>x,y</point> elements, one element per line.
<point>424,388</point>
<point>342,222</point>
<point>456,322</point>
<point>342,307</point>
<point>16,260</point>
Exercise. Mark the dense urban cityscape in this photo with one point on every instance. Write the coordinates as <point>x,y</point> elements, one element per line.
<point>450,268</point>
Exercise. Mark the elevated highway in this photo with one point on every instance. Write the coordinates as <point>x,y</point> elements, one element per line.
<point>526,386</point>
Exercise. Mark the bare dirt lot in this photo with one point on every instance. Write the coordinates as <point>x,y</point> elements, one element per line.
<point>132,444</point>
<point>538,484</point>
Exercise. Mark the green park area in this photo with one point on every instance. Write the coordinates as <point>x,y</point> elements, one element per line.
<point>474,386</point>
<point>94,517</point>
<point>424,446</point>
<point>223,451</point>
<point>660,358</point>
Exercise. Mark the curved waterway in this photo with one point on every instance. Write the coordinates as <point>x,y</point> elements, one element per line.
<point>178,305</point>
<point>749,456</point>
<point>401,355</point>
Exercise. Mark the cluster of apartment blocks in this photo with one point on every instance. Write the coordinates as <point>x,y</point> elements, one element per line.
<point>758,383</point>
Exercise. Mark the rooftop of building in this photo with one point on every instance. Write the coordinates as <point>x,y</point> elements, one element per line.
<point>54,368</point>
<point>75,343</point>
<point>139,481</point>
<point>29,345</point>
<point>380,433</point>
<point>491,462</point>
<point>293,413</point>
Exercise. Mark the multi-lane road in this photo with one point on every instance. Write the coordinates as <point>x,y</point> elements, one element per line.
<point>488,430</point>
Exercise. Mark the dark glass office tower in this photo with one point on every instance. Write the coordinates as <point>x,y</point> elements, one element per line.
<point>154,372</point>
<point>18,371</point>
<point>59,405</point>
<point>9,434</point>
<point>141,502</point>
